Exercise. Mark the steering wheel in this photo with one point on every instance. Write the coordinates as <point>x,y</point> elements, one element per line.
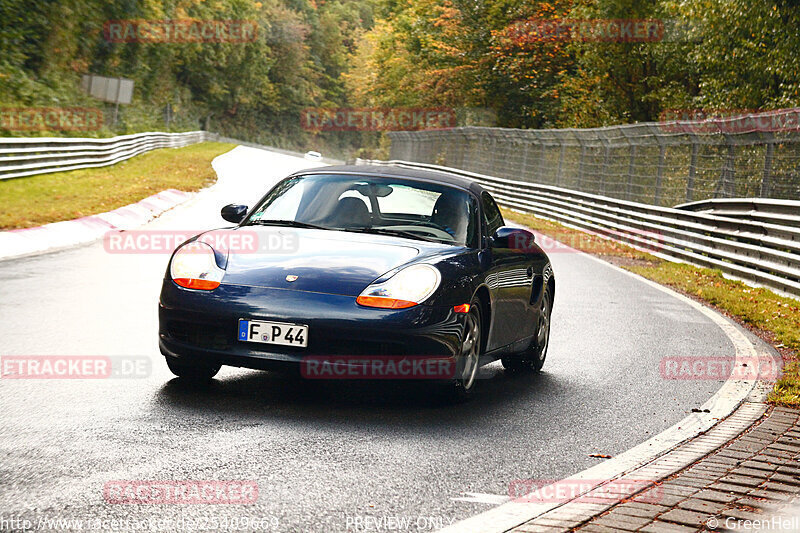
<point>437,232</point>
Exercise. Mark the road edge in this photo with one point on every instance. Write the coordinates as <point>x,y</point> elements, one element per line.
<point>731,411</point>
<point>66,234</point>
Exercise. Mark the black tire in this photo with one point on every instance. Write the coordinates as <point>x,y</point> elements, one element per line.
<point>195,372</point>
<point>532,359</point>
<point>462,387</point>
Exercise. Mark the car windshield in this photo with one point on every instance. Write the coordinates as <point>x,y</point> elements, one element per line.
<point>391,206</point>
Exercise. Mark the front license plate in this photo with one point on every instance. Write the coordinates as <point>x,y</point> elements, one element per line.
<point>273,333</point>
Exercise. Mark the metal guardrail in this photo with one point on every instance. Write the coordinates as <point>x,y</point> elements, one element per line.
<point>782,212</point>
<point>765,252</point>
<point>29,156</point>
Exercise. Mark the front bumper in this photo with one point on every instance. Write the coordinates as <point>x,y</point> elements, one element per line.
<point>203,326</point>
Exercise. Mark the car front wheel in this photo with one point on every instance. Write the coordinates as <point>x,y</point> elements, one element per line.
<point>533,358</point>
<point>468,361</point>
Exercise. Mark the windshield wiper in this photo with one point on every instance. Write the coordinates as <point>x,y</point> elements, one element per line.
<point>394,233</point>
<point>288,223</point>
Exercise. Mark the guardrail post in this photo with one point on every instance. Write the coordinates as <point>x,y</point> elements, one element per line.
<point>631,168</point>
<point>543,156</point>
<point>580,164</point>
<point>604,169</point>
<point>524,170</point>
<point>692,170</point>
<point>726,187</point>
<point>461,142</point>
<point>662,153</point>
<point>493,159</point>
<point>766,178</point>
<point>469,150</point>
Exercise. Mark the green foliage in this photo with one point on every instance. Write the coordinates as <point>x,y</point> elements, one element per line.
<point>253,88</point>
<point>747,52</point>
<point>714,54</point>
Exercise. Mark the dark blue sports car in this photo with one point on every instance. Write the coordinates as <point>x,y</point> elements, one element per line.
<point>366,262</point>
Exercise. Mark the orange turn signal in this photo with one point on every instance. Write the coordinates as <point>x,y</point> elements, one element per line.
<point>463,308</point>
<point>200,284</point>
<point>384,303</point>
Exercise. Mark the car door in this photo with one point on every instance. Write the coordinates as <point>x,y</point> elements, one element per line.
<point>509,279</point>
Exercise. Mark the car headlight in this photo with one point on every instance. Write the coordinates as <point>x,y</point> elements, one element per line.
<point>407,288</point>
<point>195,267</point>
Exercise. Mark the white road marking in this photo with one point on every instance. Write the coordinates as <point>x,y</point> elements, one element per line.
<point>482,497</point>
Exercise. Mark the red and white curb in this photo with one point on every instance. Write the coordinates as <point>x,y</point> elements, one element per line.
<point>69,233</point>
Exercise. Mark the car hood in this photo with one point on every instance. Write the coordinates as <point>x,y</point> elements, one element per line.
<point>334,262</point>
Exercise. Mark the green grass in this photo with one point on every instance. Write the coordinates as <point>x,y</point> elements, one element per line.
<point>37,200</point>
<point>776,318</point>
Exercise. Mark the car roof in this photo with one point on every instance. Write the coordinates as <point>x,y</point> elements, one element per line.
<point>395,171</point>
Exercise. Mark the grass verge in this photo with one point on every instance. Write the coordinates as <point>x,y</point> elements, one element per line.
<point>774,318</point>
<point>37,200</point>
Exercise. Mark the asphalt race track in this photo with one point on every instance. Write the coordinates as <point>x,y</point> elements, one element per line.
<point>325,455</point>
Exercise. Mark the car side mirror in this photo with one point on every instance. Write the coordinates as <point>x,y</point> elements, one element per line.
<point>515,239</point>
<point>234,213</point>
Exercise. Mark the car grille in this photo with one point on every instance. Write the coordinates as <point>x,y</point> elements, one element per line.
<point>201,335</point>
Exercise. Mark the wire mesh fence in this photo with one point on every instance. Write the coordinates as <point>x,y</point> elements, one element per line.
<point>663,163</point>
